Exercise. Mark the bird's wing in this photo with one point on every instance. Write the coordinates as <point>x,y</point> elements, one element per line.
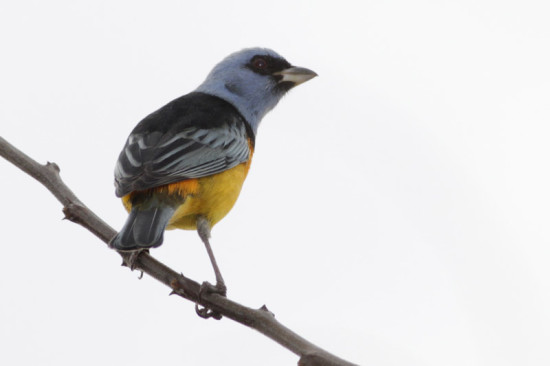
<point>171,147</point>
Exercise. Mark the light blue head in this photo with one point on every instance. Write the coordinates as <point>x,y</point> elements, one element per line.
<point>253,80</point>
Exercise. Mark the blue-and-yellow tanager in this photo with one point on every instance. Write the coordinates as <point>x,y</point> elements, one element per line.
<point>183,166</point>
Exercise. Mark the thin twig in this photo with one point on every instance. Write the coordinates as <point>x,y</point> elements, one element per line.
<point>260,319</point>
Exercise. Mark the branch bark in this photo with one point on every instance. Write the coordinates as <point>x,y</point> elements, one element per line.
<point>261,319</point>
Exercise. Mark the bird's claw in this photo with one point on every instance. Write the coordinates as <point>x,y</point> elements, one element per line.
<point>207,287</point>
<point>206,313</point>
<point>131,260</point>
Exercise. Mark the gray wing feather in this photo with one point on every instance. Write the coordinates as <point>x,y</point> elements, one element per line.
<point>154,159</point>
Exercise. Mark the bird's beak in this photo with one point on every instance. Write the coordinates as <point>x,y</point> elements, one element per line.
<point>295,75</point>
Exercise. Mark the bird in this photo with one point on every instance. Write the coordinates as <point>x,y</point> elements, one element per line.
<point>183,166</point>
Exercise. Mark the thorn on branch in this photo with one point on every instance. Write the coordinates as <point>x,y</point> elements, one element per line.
<point>54,166</point>
<point>73,212</point>
<point>177,288</point>
<point>69,212</point>
<point>175,285</point>
<point>264,308</point>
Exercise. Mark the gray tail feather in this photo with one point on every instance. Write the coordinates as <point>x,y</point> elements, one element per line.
<point>144,228</point>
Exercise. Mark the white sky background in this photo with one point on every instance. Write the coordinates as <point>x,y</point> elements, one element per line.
<point>397,208</point>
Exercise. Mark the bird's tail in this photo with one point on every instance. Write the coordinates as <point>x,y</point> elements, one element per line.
<point>144,228</point>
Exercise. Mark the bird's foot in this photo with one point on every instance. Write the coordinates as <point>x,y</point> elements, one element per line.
<point>219,288</point>
<point>207,287</point>
<point>131,260</point>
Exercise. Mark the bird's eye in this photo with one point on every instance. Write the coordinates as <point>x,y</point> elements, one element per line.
<point>259,64</point>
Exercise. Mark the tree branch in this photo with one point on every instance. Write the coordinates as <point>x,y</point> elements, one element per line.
<point>260,319</point>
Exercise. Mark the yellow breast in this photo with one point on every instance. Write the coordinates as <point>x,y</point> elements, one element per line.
<point>213,198</point>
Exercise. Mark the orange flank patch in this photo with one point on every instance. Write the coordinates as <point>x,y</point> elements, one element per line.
<point>183,188</point>
<point>126,202</point>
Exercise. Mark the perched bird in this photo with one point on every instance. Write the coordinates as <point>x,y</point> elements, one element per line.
<point>183,166</point>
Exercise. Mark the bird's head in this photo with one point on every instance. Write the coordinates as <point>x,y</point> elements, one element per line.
<point>254,80</point>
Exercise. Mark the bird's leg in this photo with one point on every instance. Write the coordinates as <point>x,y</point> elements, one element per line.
<point>203,228</point>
